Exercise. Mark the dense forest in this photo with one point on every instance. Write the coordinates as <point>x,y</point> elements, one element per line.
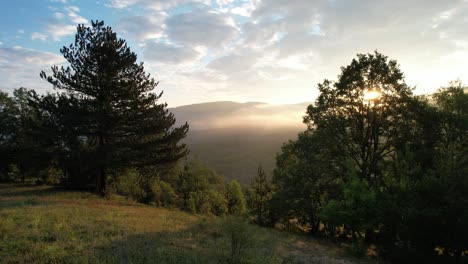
<point>377,166</point>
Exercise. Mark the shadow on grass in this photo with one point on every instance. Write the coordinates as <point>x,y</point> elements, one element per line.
<point>17,203</point>
<point>195,244</point>
<point>16,190</point>
<point>203,242</point>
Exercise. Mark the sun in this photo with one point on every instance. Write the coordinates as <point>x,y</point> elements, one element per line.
<point>371,95</point>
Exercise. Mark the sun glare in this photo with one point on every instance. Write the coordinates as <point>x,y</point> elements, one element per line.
<point>371,95</point>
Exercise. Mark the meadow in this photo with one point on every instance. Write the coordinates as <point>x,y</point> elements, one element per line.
<point>42,224</point>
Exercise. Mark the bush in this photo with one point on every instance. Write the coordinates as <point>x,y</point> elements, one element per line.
<point>129,184</point>
<point>235,198</point>
<point>218,203</point>
<point>54,175</point>
<point>199,202</point>
<point>240,238</point>
<point>163,194</point>
<point>207,202</point>
<point>13,173</point>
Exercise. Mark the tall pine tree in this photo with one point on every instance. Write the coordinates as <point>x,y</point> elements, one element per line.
<point>120,116</point>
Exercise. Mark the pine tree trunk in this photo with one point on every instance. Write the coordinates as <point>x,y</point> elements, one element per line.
<point>101,181</point>
<point>101,177</point>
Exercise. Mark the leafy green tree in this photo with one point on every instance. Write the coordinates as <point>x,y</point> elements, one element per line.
<point>356,210</point>
<point>308,173</point>
<point>362,111</point>
<point>123,124</point>
<point>236,203</point>
<point>197,177</point>
<point>262,192</point>
<point>163,193</point>
<point>8,127</point>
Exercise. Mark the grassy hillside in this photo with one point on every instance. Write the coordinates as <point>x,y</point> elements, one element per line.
<point>45,225</point>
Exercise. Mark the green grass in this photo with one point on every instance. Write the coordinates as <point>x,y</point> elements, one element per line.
<point>46,225</point>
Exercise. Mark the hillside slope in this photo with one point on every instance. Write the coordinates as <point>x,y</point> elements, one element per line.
<point>46,225</point>
<point>234,138</point>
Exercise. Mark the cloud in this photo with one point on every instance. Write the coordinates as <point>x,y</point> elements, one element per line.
<point>74,17</point>
<point>171,54</point>
<point>201,27</point>
<point>143,27</point>
<point>60,30</point>
<point>231,64</point>
<point>157,5</point>
<point>64,23</point>
<point>20,67</point>
<point>245,9</point>
<point>59,15</point>
<point>37,35</point>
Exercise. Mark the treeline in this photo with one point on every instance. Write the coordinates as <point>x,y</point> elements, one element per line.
<point>104,130</point>
<point>103,118</point>
<point>378,165</point>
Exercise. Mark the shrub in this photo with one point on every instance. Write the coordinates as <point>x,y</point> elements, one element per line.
<point>163,194</point>
<point>240,238</point>
<point>54,175</point>
<point>218,203</point>
<point>199,202</point>
<point>235,198</point>
<point>129,184</point>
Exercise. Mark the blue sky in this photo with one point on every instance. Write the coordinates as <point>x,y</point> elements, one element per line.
<point>274,51</point>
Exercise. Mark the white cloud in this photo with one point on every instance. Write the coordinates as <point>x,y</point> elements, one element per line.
<point>63,23</point>
<point>73,8</point>
<point>37,35</point>
<point>59,15</point>
<point>245,10</point>
<point>73,16</point>
<point>60,30</point>
<point>233,63</point>
<point>171,54</point>
<point>157,5</point>
<point>201,27</point>
<point>20,67</point>
<point>142,27</point>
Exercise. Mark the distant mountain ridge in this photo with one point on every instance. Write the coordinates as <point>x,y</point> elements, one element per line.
<point>234,138</point>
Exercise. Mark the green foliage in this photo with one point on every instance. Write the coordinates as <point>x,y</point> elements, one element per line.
<point>218,203</point>
<point>240,238</point>
<point>308,173</point>
<point>388,170</point>
<point>357,209</point>
<point>115,110</point>
<point>260,198</point>
<point>236,203</point>
<point>207,202</point>
<point>129,183</point>
<point>199,202</point>
<point>163,194</point>
<point>54,175</point>
<point>197,177</point>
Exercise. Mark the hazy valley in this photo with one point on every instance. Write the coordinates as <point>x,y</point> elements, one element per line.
<point>234,138</point>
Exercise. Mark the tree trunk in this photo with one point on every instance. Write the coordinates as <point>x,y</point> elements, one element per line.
<point>101,181</point>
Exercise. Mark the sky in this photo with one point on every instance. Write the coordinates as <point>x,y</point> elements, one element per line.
<point>273,51</point>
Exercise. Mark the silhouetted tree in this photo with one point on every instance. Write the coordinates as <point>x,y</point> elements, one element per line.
<point>122,121</point>
<point>262,192</point>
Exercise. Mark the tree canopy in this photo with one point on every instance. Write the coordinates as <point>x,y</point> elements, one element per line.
<point>111,105</point>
